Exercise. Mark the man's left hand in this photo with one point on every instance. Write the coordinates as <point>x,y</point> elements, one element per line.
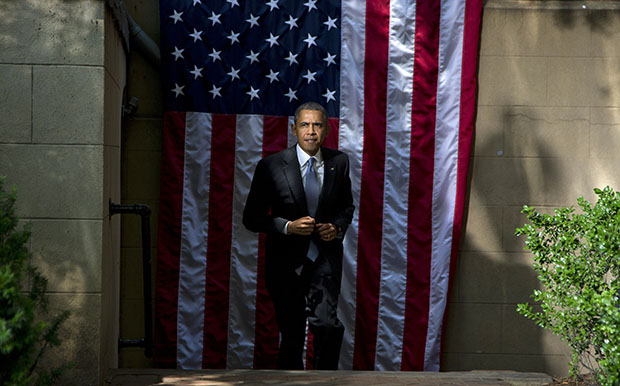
<point>327,232</point>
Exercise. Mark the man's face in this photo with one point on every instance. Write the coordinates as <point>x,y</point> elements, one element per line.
<point>310,131</point>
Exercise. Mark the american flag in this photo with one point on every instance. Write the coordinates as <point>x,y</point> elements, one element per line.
<point>398,80</point>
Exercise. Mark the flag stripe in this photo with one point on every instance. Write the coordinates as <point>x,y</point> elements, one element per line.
<point>275,138</point>
<point>168,235</point>
<point>444,180</point>
<point>350,140</point>
<point>398,137</point>
<point>219,240</point>
<point>243,265</point>
<point>193,264</point>
<point>371,195</point>
<point>421,184</point>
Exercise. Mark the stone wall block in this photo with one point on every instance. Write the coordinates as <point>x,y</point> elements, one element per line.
<point>68,253</point>
<point>489,131</point>
<point>532,181</point>
<point>143,175</point>
<point>50,183</point>
<point>68,105</point>
<point>80,337</point>
<point>565,32</point>
<point>15,103</point>
<point>146,86</point>
<point>52,32</point>
<point>605,90</point>
<point>512,32</point>
<point>571,81</point>
<point>546,132</point>
<point>512,80</point>
<point>605,33</point>
<point>144,134</point>
<point>112,112</point>
<point>500,277</point>
<point>522,336</point>
<point>479,327</point>
<point>482,229</point>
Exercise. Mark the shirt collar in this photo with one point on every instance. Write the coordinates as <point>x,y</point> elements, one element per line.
<point>303,157</point>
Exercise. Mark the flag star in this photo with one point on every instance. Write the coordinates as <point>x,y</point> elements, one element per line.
<point>273,40</point>
<point>292,22</point>
<point>232,3</point>
<point>291,58</point>
<point>329,95</point>
<point>291,94</point>
<point>196,35</point>
<point>233,74</point>
<point>176,16</point>
<point>310,40</point>
<point>310,76</point>
<point>330,59</point>
<point>234,37</point>
<point>273,76</point>
<point>253,57</point>
<point>215,55</point>
<point>330,23</point>
<point>196,72</point>
<point>178,53</point>
<point>272,4</point>
<point>215,92</point>
<point>253,93</point>
<point>310,4</point>
<point>197,2</point>
<point>215,18</point>
<point>178,90</point>
<point>253,20</point>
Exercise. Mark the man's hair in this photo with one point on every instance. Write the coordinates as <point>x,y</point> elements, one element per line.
<point>312,106</point>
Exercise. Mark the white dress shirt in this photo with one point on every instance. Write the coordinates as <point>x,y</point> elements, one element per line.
<point>319,168</point>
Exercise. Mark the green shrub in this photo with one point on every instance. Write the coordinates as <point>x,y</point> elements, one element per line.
<point>577,257</point>
<point>24,335</point>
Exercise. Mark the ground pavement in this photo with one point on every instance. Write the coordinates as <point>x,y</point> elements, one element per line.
<point>146,377</point>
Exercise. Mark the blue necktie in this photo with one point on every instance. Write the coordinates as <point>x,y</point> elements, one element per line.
<point>312,200</point>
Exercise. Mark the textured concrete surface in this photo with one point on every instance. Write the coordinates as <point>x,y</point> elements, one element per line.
<point>134,377</point>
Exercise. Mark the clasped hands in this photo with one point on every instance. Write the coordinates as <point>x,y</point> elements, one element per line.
<point>306,226</point>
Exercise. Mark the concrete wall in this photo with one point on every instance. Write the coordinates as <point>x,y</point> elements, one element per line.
<point>547,131</point>
<point>62,72</point>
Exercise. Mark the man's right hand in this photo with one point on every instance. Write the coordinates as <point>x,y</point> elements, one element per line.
<point>302,226</point>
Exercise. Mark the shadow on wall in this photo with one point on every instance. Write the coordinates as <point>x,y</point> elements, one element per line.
<point>542,147</point>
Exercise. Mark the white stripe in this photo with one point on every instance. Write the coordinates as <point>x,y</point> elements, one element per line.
<point>351,141</point>
<point>193,264</point>
<point>393,285</point>
<point>444,180</point>
<point>244,247</point>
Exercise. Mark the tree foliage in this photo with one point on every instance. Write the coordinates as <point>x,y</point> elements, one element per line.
<point>24,333</point>
<point>577,257</point>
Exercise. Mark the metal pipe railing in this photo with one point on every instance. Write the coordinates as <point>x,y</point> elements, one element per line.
<point>145,214</point>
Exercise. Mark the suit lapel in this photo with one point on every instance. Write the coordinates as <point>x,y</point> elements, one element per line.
<point>293,177</point>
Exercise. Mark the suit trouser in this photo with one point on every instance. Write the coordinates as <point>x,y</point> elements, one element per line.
<point>313,295</point>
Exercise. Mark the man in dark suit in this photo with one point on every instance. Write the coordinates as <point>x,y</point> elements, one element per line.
<point>301,197</point>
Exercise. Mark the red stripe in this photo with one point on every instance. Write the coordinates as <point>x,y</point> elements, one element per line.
<point>332,138</point>
<point>471,35</point>
<point>419,228</point>
<point>371,193</point>
<point>266,336</point>
<point>169,240</point>
<point>219,241</point>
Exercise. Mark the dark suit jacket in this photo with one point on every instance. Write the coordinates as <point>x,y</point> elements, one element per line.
<point>277,196</point>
